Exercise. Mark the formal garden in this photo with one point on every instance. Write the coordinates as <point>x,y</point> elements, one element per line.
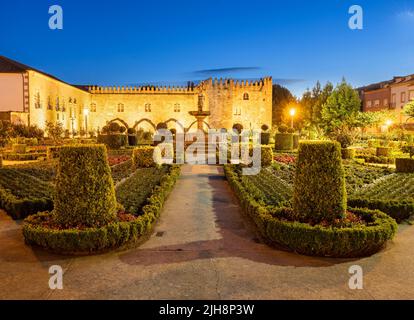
<point>328,186</point>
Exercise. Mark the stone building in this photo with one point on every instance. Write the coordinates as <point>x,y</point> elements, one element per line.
<point>35,97</point>
<point>389,95</point>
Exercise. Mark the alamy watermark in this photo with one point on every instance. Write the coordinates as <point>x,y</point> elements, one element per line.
<point>56,19</point>
<point>56,278</point>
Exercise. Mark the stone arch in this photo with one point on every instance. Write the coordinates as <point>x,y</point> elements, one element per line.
<point>177,122</point>
<point>145,120</point>
<point>195,122</point>
<point>119,120</point>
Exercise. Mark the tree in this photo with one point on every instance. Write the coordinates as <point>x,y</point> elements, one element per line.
<point>409,110</point>
<point>55,131</point>
<point>341,109</point>
<point>281,98</point>
<point>312,102</point>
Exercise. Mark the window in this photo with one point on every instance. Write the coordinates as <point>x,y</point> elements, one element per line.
<point>93,107</point>
<point>49,103</point>
<point>402,97</point>
<point>63,116</point>
<point>121,107</point>
<point>177,107</point>
<point>70,100</point>
<point>57,116</point>
<point>37,103</point>
<point>63,105</point>
<point>246,96</point>
<point>237,111</point>
<point>74,101</point>
<point>148,107</point>
<point>369,104</point>
<point>411,94</point>
<point>376,103</point>
<point>57,104</point>
<point>394,98</point>
<point>385,102</point>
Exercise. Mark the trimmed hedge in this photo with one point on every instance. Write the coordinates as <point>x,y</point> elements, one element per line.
<point>23,156</point>
<point>375,159</point>
<point>85,193</point>
<point>284,141</point>
<point>383,152</point>
<point>96,240</point>
<point>113,141</point>
<point>53,152</point>
<point>314,240</point>
<point>266,155</point>
<point>399,210</point>
<point>404,165</point>
<point>265,138</point>
<point>143,157</point>
<point>19,148</point>
<point>320,189</point>
<point>348,153</point>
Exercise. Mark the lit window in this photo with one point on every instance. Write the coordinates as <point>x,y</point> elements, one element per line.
<point>49,103</point>
<point>148,107</point>
<point>37,101</point>
<point>177,107</point>
<point>246,96</point>
<point>121,107</point>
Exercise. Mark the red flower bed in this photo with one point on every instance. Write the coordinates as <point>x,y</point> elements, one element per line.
<point>286,159</point>
<point>114,160</point>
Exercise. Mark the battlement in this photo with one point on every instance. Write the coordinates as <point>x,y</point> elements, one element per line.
<point>140,89</point>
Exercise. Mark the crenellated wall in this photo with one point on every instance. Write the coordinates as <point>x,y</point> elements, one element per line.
<point>229,102</point>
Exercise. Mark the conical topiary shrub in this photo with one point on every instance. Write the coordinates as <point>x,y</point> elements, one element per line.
<point>320,191</point>
<point>85,194</point>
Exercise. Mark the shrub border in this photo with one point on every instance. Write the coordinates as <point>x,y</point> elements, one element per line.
<point>315,240</point>
<point>99,240</point>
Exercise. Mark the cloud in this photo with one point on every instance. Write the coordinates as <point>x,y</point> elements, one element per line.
<point>407,14</point>
<point>212,72</point>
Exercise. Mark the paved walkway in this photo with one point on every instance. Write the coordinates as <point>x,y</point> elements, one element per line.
<point>202,249</point>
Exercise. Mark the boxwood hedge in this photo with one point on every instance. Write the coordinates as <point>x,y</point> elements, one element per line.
<point>100,239</point>
<point>316,240</point>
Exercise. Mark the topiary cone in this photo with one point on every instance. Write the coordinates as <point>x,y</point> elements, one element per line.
<point>320,191</point>
<point>85,193</point>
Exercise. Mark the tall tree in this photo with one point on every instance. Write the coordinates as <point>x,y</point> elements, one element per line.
<point>282,97</point>
<point>312,102</point>
<point>341,109</point>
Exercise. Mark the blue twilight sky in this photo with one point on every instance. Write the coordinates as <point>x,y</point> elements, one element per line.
<point>135,42</point>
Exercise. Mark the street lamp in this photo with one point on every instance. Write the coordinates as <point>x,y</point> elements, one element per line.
<point>292,113</point>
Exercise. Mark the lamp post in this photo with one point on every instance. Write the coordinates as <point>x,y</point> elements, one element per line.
<point>86,113</point>
<point>292,113</point>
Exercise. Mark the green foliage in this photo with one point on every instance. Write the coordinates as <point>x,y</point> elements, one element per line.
<point>320,193</point>
<point>100,239</point>
<point>311,105</point>
<point>266,156</point>
<point>55,131</point>
<point>404,165</point>
<point>85,193</point>
<point>133,193</point>
<point>281,98</point>
<point>284,141</point>
<point>344,139</point>
<point>398,210</point>
<point>143,157</point>
<point>283,128</point>
<point>409,109</point>
<point>122,171</point>
<point>348,153</point>
<point>341,108</point>
<point>22,194</point>
<point>361,240</point>
<point>113,141</point>
<point>383,151</point>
